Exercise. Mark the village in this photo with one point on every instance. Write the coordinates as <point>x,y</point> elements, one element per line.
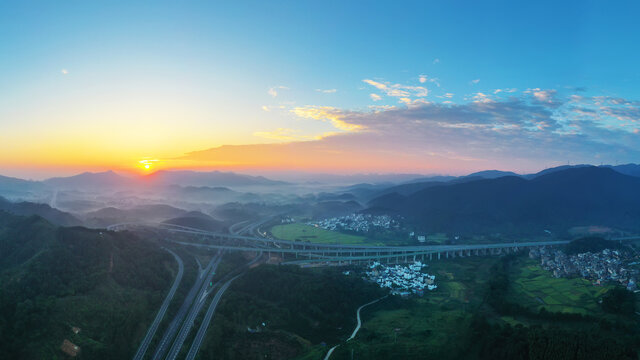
<point>402,280</point>
<point>599,267</point>
<point>357,222</point>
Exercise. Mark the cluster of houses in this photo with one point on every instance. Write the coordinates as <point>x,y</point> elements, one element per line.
<point>402,280</point>
<point>357,222</point>
<point>599,267</point>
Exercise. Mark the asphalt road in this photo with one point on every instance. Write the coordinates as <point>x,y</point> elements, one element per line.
<point>169,334</point>
<point>163,309</point>
<point>195,346</point>
<point>198,303</point>
<point>197,342</point>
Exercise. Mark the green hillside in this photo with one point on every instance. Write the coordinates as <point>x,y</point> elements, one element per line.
<point>52,279</point>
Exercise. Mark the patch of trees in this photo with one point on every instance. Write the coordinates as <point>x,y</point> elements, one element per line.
<point>317,305</point>
<point>590,244</point>
<point>619,301</point>
<point>540,343</point>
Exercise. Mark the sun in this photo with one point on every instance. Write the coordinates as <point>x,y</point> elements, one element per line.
<point>147,164</point>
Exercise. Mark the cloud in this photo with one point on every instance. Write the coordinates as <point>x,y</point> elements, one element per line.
<point>375,97</point>
<point>473,82</point>
<point>327,91</point>
<point>326,113</point>
<point>518,132</point>
<point>506,90</point>
<point>286,134</point>
<point>424,78</point>
<point>544,95</point>
<point>398,90</point>
<point>482,98</point>
<point>274,90</point>
<point>64,71</point>
<point>436,61</point>
<point>265,108</point>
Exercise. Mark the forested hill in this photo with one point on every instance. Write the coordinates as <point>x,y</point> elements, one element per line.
<point>556,201</point>
<point>26,208</point>
<point>54,278</point>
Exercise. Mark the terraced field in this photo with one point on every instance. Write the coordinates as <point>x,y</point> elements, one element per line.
<point>535,287</point>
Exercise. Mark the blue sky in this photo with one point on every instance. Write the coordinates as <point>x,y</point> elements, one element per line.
<point>162,80</point>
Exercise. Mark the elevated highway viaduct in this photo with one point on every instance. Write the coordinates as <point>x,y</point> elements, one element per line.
<point>301,253</point>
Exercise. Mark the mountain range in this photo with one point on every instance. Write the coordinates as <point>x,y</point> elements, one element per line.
<point>554,200</point>
<point>45,211</point>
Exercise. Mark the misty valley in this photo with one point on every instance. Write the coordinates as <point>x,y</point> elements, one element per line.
<point>224,265</point>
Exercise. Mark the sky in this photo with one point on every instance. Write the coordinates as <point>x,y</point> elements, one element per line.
<point>431,87</point>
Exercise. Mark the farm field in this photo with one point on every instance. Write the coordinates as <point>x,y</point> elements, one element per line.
<point>427,327</point>
<point>308,233</point>
<point>535,287</point>
<point>439,238</point>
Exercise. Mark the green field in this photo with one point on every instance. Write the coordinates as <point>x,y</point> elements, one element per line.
<point>440,238</point>
<point>308,233</point>
<point>535,287</point>
<point>430,327</point>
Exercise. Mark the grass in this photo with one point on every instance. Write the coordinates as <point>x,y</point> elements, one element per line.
<point>427,327</point>
<point>535,287</point>
<point>439,238</point>
<point>434,326</point>
<point>308,233</point>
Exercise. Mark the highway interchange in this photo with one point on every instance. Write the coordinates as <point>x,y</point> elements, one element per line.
<point>172,341</point>
<point>246,237</point>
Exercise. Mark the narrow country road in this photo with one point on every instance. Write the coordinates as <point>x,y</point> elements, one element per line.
<point>355,331</point>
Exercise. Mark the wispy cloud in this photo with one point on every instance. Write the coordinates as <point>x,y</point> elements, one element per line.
<point>273,91</point>
<point>519,131</point>
<point>403,92</point>
<point>424,78</point>
<point>475,81</point>
<point>436,61</point>
<point>286,134</point>
<point>482,98</point>
<point>506,90</point>
<point>327,91</point>
<point>326,113</point>
<point>64,71</point>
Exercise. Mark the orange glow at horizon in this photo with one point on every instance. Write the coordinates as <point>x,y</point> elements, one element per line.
<point>147,164</point>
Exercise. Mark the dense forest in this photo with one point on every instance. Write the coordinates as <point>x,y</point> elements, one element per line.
<point>52,279</point>
<point>298,307</point>
<point>513,205</point>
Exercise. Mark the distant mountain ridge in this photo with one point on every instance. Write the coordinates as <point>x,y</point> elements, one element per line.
<point>556,200</point>
<point>45,211</point>
<point>208,179</point>
<point>141,213</point>
<point>215,181</point>
<point>107,179</point>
